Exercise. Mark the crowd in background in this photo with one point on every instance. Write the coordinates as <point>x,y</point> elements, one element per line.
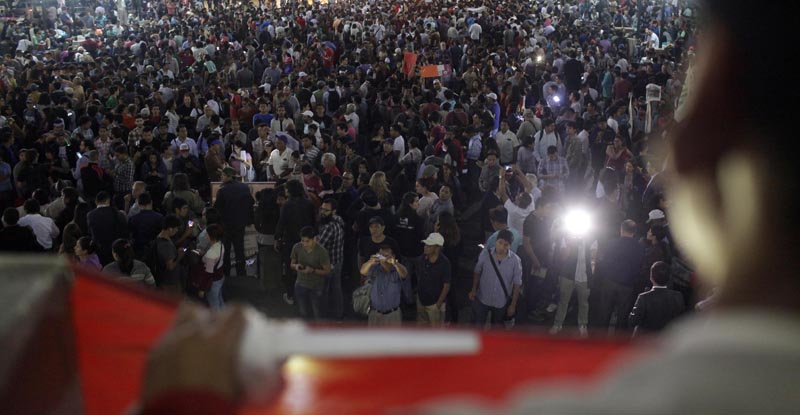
<point>114,133</point>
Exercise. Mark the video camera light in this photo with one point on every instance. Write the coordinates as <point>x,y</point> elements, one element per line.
<point>577,222</point>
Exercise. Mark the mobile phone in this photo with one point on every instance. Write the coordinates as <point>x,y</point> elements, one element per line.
<point>185,249</point>
<point>380,257</point>
<point>191,223</point>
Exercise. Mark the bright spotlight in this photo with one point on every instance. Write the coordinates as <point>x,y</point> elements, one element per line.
<point>577,223</point>
<point>556,99</point>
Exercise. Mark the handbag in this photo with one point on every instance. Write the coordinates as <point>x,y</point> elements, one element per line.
<point>361,298</point>
<point>200,280</point>
<point>503,285</point>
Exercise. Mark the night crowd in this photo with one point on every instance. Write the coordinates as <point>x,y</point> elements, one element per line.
<point>134,143</point>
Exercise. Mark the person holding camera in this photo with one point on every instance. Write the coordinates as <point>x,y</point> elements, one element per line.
<point>388,279</point>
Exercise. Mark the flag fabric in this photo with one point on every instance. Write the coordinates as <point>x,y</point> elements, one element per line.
<point>116,325</point>
<point>409,61</point>
<point>432,71</point>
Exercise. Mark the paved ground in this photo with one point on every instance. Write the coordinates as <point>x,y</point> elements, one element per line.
<point>265,292</point>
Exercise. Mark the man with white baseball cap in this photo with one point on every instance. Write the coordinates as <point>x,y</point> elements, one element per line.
<point>433,272</point>
<point>656,217</point>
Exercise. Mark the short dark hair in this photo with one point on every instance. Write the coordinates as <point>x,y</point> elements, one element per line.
<point>506,235</point>
<point>331,201</point>
<point>294,188</point>
<point>32,206</point>
<point>102,197</point>
<point>499,215</point>
<point>10,216</point>
<point>552,150</point>
<point>659,273</point>
<point>628,226</point>
<point>178,203</point>
<point>215,231</point>
<point>170,221</point>
<point>307,232</point>
<point>213,216</point>
<point>144,199</point>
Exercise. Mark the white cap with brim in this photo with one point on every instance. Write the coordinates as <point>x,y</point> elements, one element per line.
<point>434,239</point>
<point>655,214</point>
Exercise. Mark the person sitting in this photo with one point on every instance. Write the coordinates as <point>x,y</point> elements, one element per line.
<point>125,265</point>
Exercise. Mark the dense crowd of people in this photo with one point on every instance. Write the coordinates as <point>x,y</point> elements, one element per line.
<point>116,130</point>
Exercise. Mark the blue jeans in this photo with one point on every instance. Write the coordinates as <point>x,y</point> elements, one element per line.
<point>309,302</point>
<point>215,300</point>
<point>333,293</point>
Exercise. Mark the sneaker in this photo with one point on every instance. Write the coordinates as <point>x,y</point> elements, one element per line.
<point>287,299</point>
<point>555,329</point>
<point>552,308</point>
<point>583,332</point>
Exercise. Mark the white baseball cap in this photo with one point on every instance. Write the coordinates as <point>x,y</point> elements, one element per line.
<point>655,214</point>
<point>492,95</point>
<point>434,239</point>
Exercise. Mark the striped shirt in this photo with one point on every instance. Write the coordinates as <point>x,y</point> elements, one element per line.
<point>490,292</point>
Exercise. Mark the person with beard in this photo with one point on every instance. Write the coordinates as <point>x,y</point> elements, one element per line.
<point>331,237</point>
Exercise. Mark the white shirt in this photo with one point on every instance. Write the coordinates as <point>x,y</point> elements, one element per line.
<point>43,227</point>
<point>506,142</point>
<point>517,215</point>
<point>545,140</point>
<point>475,31</point>
<point>399,145</point>
<point>211,257</point>
<point>280,162</point>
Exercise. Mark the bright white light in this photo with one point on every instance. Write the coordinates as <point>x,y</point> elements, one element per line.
<point>556,99</point>
<point>577,222</point>
<point>539,58</point>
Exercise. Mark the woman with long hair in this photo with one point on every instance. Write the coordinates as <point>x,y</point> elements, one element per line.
<point>241,160</point>
<point>81,211</point>
<point>182,189</point>
<point>125,265</point>
<point>380,186</point>
<point>69,238</point>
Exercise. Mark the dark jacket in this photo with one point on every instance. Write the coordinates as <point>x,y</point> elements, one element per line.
<point>235,204</point>
<point>296,214</point>
<point>94,180</point>
<point>18,239</point>
<point>622,261</point>
<point>654,309</point>
<point>106,224</point>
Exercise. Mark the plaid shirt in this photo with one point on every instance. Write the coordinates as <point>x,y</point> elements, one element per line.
<point>123,176</point>
<point>548,167</point>
<point>103,150</point>
<point>331,237</point>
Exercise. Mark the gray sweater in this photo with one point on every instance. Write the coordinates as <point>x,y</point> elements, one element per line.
<point>139,273</point>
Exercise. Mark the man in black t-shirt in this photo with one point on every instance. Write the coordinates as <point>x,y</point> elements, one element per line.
<point>370,245</point>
